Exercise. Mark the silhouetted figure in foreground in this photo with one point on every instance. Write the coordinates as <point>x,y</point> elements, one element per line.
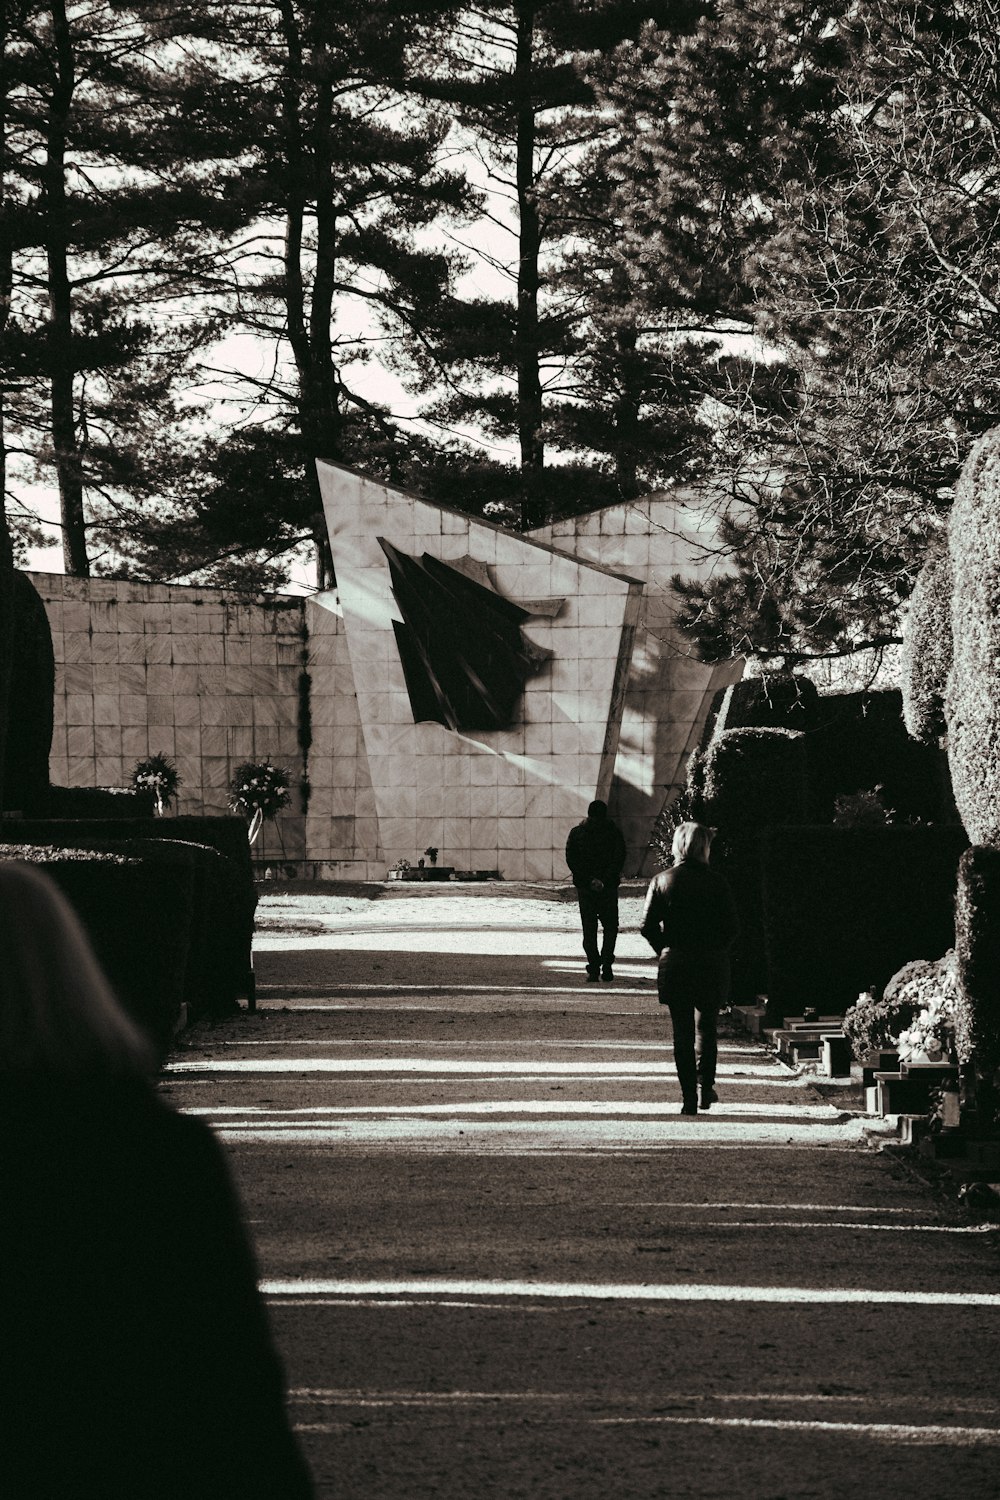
<point>595,853</point>
<point>690,921</point>
<point>135,1355</point>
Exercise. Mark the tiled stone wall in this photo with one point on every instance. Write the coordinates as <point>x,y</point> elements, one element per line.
<point>668,690</point>
<point>499,799</point>
<point>342,832</point>
<point>208,680</point>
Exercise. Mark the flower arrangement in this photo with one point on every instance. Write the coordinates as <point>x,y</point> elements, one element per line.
<point>432,854</point>
<point>400,867</point>
<point>877,1023</point>
<point>159,776</point>
<point>259,791</point>
<point>931,1034</point>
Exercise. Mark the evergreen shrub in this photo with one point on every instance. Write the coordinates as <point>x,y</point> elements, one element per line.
<point>137,909</point>
<point>927,651</point>
<point>773,702</point>
<point>234,896</point>
<point>846,908</point>
<point>97,802</point>
<point>752,778</point>
<point>859,742</point>
<point>972,707</point>
<point>977,941</point>
<point>28,730</point>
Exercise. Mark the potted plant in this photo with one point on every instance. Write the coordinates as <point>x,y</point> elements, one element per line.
<point>432,854</point>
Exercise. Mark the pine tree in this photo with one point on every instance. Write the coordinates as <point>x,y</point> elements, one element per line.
<point>518,76</point>
<point>851,154</point>
<point>102,243</point>
<point>339,176</point>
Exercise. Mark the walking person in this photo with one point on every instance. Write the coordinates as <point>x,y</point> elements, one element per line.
<point>135,1358</point>
<point>690,921</point>
<point>595,853</point>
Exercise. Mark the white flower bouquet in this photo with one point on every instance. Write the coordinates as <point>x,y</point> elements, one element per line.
<point>259,791</point>
<point>159,776</point>
<point>931,1035</point>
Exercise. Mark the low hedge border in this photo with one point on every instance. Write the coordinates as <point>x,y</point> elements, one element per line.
<point>94,802</point>
<point>228,963</point>
<point>137,908</point>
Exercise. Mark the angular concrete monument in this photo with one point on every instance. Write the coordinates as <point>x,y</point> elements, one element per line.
<point>503,681</point>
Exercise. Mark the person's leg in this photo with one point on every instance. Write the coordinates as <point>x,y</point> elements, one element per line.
<point>706,1051</point>
<point>682,1016</point>
<point>609,924</point>
<point>588,921</point>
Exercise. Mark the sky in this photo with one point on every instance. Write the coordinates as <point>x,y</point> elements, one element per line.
<point>488,243</point>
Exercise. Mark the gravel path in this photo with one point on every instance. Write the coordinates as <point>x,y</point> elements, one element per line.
<point>499,1263</point>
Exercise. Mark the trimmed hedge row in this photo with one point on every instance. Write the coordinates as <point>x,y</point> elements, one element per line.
<point>101,802</point>
<point>977,941</point>
<point>750,779</point>
<point>762,703</point>
<point>972,709</point>
<point>29,722</point>
<point>226,898</point>
<point>859,741</point>
<point>927,651</point>
<point>846,908</point>
<point>137,907</point>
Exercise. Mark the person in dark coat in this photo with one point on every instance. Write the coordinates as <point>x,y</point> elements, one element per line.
<point>595,853</point>
<point>135,1355</point>
<point>690,921</point>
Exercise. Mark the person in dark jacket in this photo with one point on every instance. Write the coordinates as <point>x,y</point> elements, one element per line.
<point>595,853</point>
<point>135,1355</point>
<point>690,922</point>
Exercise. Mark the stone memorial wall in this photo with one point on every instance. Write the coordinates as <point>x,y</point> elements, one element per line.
<point>464,688</point>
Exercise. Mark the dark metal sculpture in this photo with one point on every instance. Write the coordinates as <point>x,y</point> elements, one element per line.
<point>464,658</point>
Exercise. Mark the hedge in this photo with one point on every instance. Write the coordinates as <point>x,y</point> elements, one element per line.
<point>927,651</point>
<point>137,908</point>
<point>233,897</point>
<point>859,742</point>
<point>773,702</point>
<point>94,802</point>
<point>845,908</point>
<point>977,941</point>
<point>752,778</point>
<point>972,708</point>
<point>29,721</point>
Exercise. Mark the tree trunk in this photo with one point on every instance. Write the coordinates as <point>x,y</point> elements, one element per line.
<point>627,415</point>
<point>8,10</point>
<point>65,445</point>
<point>309,327</point>
<point>529,384</point>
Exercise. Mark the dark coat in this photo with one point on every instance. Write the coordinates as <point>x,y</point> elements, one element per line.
<point>690,921</point>
<point>595,850</point>
<point>136,1359</point>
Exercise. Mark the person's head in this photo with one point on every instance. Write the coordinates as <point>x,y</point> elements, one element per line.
<point>692,841</point>
<point>597,810</point>
<point>58,1015</point>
